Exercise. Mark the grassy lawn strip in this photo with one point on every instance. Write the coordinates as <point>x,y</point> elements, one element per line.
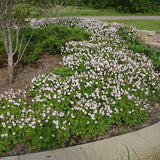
<point>75,11</point>
<point>152,25</point>
<point>84,11</point>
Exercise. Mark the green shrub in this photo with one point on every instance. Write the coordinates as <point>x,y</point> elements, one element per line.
<point>0,59</point>
<point>2,47</point>
<point>153,54</point>
<point>136,46</point>
<point>48,38</point>
<point>51,39</point>
<point>2,51</point>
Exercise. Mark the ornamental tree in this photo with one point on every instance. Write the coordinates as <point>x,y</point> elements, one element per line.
<point>12,21</point>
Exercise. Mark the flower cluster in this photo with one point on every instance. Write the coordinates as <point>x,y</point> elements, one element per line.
<point>107,80</point>
<point>42,22</point>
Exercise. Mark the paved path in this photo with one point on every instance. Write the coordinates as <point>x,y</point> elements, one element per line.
<point>145,142</point>
<point>123,17</point>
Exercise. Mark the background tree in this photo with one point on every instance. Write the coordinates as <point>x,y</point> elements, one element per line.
<point>12,21</point>
<point>58,5</point>
<point>129,6</point>
<point>47,6</point>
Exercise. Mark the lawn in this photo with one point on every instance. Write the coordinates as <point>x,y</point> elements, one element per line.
<point>75,11</point>
<point>153,25</point>
<point>84,11</point>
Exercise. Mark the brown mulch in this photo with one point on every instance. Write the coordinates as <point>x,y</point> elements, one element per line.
<point>23,74</point>
<point>46,62</point>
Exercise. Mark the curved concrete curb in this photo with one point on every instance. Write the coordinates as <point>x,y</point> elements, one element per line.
<point>146,36</point>
<point>155,45</point>
<point>144,143</point>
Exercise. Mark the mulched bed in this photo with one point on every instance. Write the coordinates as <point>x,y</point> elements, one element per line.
<point>24,74</point>
<point>45,63</point>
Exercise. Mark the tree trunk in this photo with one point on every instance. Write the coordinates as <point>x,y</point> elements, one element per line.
<point>57,11</point>
<point>10,68</point>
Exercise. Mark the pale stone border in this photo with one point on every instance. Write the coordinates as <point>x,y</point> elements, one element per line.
<point>147,38</point>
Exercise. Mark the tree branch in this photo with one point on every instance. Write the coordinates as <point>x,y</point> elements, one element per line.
<point>20,54</point>
<point>17,40</point>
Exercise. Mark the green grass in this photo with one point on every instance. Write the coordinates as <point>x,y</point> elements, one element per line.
<point>84,11</point>
<point>131,154</point>
<point>153,25</point>
<point>74,11</point>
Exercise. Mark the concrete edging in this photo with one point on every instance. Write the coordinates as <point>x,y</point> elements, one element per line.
<point>147,38</point>
<point>142,144</point>
<point>155,45</point>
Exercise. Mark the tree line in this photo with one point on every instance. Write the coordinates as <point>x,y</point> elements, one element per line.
<point>128,6</point>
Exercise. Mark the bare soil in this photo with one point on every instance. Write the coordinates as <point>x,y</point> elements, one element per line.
<point>23,74</point>
<point>46,62</point>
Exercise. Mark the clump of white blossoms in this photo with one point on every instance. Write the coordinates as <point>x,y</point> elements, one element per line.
<point>105,74</point>
<point>106,84</point>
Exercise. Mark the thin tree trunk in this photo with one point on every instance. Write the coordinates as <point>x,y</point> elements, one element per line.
<point>10,68</point>
<point>10,54</point>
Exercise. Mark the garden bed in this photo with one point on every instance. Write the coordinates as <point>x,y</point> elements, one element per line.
<point>89,97</point>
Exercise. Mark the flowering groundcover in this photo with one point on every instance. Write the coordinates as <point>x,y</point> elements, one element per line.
<point>99,83</point>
